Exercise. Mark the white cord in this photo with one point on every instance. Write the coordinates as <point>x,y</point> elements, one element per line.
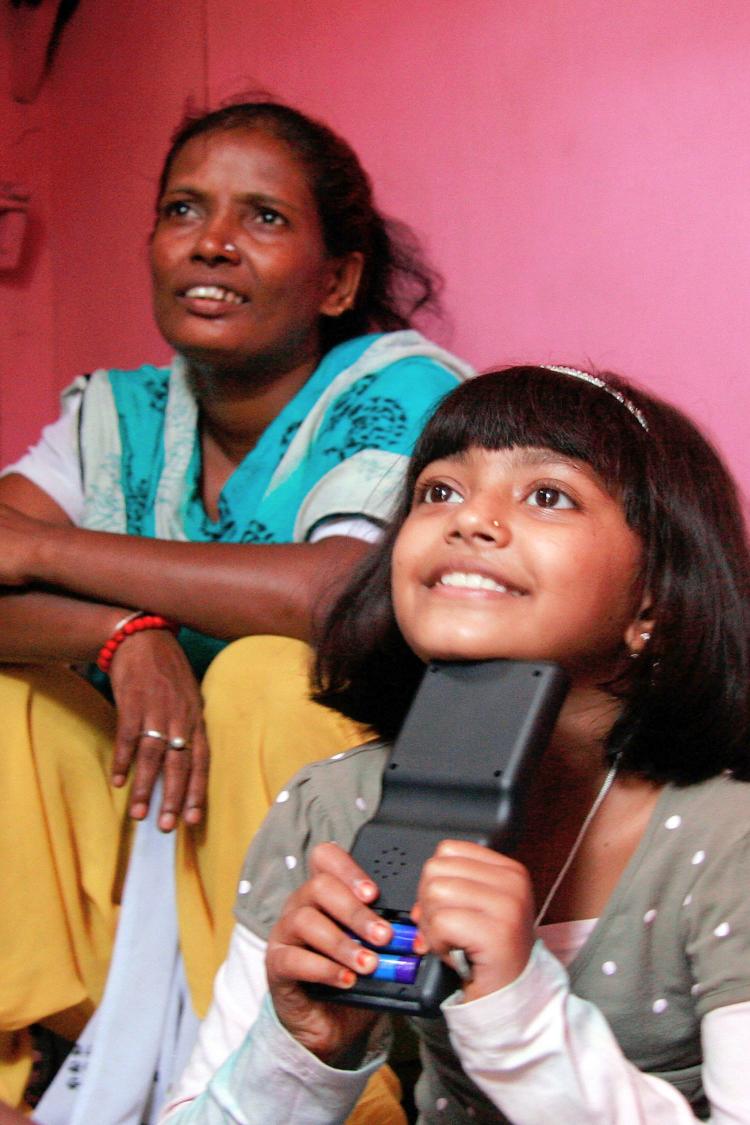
<point>606,786</point>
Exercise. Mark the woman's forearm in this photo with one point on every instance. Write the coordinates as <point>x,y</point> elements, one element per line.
<point>224,590</point>
<point>42,627</point>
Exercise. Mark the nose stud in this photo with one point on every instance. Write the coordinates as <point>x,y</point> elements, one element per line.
<point>496,523</point>
<point>230,248</point>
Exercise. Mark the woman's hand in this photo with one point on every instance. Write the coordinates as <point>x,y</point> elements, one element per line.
<point>475,899</point>
<point>309,943</point>
<point>155,690</point>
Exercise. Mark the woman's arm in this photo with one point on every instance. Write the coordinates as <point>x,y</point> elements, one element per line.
<point>224,590</point>
<point>152,682</point>
<point>39,625</point>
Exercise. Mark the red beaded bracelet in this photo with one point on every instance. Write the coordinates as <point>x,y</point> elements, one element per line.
<point>135,624</point>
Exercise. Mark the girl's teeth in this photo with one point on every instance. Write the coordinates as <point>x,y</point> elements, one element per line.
<point>472,582</point>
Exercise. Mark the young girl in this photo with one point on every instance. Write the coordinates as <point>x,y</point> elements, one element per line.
<point>547,515</point>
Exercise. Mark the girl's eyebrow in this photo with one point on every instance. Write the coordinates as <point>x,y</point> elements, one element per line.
<point>532,457</point>
<point>525,457</point>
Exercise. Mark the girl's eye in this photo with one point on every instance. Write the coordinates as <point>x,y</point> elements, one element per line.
<point>439,493</point>
<point>547,497</point>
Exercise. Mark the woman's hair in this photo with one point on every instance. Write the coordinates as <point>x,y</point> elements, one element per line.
<point>396,279</point>
<point>686,702</point>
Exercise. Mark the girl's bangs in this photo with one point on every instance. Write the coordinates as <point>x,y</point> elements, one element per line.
<point>534,407</point>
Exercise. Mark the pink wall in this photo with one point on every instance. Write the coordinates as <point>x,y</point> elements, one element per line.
<point>28,389</point>
<point>578,171</point>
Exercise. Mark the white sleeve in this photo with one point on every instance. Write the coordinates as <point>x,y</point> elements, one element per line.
<point>357,528</point>
<point>540,1053</point>
<point>247,1070</point>
<point>52,464</point>
<point>725,1033</point>
<point>239,988</point>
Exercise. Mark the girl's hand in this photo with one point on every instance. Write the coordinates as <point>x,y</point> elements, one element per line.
<point>475,899</point>
<point>309,943</point>
<point>155,690</point>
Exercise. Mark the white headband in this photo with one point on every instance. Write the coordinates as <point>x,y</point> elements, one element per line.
<point>596,382</point>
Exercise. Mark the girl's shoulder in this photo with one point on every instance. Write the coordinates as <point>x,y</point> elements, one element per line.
<point>327,800</point>
<point>718,806</point>
<point>693,829</point>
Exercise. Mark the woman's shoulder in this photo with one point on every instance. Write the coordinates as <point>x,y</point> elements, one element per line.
<point>327,800</point>
<point>380,351</point>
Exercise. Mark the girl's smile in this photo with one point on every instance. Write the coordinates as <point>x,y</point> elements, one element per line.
<point>519,554</point>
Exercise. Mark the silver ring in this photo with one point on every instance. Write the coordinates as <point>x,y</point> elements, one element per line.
<point>461,964</point>
<point>178,743</point>
<point>154,734</point>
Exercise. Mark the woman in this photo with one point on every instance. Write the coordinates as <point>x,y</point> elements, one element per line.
<point>246,478</point>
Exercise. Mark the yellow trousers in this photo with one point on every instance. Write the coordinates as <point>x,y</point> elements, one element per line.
<point>65,836</point>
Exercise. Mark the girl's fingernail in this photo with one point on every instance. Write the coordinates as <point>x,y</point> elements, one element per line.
<point>366,960</point>
<point>377,932</point>
<point>420,946</point>
<point>138,811</point>
<point>365,889</point>
<point>346,978</point>
<point>118,780</point>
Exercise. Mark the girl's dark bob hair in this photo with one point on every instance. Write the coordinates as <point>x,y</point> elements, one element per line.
<point>686,703</point>
<point>397,281</point>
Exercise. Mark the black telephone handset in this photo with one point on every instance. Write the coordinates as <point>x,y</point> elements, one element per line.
<point>459,769</point>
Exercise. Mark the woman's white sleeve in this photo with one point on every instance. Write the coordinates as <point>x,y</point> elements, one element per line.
<point>540,1053</point>
<point>52,464</point>
<point>247,1070</point>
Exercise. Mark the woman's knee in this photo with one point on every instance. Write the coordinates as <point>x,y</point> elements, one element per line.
<point>255,666</point>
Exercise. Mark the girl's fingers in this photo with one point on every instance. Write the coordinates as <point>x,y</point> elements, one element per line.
<point>288,963</point>
<point>335,861</point>
<point>338,904</point>
<point>480,902</point>
<point>449,879</point>
<point>306,928</point>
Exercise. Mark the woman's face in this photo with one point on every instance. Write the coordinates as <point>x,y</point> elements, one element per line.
<point>518,554</point>
<point>240,271</point>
